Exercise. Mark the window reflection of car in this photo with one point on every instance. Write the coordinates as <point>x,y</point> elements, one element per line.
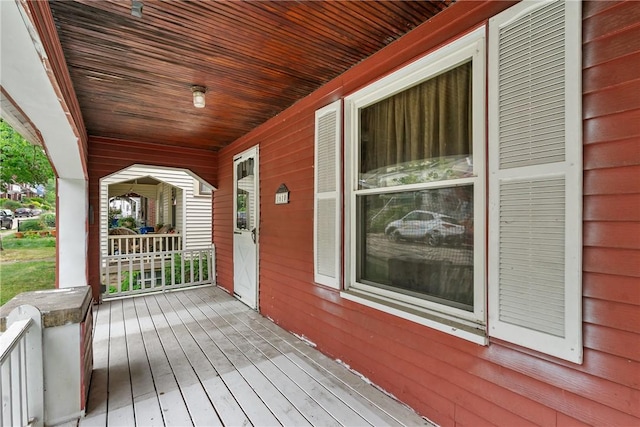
<point>242,220</point>
<point>431,227</point>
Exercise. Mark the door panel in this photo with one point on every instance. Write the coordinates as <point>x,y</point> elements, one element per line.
<point>245,227</point>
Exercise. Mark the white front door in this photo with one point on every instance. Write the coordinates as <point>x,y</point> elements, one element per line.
<point>245,227</point>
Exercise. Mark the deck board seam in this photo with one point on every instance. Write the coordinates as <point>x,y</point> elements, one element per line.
<point>295,344</point>
<point>226,355</point>
<point>335,390</point>
<point>267,358</point>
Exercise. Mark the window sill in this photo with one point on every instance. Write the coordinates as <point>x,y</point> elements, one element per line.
<point>418,315</point>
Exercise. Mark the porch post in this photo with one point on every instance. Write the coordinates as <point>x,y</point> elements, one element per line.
<point>72,232</point>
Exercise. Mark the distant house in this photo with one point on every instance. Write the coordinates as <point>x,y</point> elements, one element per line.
<point>18,192</point>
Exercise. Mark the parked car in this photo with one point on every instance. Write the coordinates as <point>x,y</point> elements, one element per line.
<point>431,227</point>
<point>6,219</point>
<point>36,212</point>
<point>20,212</point>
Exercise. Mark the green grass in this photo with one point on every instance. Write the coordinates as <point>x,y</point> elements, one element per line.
<point>25,276</point>
<point>28,254</point>
<point>10,242</point>
<point>26,265</point>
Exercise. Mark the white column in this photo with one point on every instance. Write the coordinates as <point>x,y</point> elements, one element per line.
<point>72,232</point>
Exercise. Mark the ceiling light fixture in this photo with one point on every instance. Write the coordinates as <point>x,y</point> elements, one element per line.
<point>136,8</point>
<point>198,96</point>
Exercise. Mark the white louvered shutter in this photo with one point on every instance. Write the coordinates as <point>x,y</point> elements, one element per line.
<point>535,181</point>
<point>326,232</point>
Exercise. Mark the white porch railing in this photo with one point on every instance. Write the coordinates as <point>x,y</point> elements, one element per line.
<point>21,371</point>
<point>157,271</point>
<point>143,243</point>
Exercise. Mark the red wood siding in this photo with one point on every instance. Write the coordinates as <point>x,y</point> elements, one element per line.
<point>107,156</point>
<point>447,379</point>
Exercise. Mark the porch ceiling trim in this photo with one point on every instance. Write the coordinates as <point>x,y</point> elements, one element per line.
<point>42,19</point>
<point>26,77</point>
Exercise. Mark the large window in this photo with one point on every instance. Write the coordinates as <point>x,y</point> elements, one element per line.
<point>415,143</point>
<point>417,241</point>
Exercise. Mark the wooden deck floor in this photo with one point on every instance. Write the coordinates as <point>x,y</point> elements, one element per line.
<point>200,357</point>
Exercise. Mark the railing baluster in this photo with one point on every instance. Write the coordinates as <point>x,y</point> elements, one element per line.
<point>153,272</point>
<point>16,389</point>
<point>130,275</point>
<point>23,383</point>
<point>1,394</point>
<point>163,263</point>
<point>184,260</point>
<point>9,393</point>
<point>119,269</point>
<point>21,373</point>
<point>141,271</point>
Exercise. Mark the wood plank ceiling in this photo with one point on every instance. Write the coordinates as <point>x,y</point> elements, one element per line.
<point>132,76</point>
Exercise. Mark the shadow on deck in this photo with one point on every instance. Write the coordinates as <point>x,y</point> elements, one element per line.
<point>200,357</point>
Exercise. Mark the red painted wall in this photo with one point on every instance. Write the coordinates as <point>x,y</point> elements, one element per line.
<point>447,379</point>
<point>107,156</point>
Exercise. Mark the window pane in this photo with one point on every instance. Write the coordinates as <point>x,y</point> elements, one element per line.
<point>203,189</point>
<point>245,191</point>
<point>419,243</point>
<point>420,134</point>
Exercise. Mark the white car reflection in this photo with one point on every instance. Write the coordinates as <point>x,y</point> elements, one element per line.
<point>431,227</point>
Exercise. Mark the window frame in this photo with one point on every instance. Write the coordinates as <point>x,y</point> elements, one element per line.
<point>200,189</point>
<point>468,325</point>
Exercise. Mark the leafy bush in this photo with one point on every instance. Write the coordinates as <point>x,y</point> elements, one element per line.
<point>187,272</point>
<point>10,204</point>
<point>128,222</point>
<point>126,285</point>
<point>139,281</point>
<point>35,200</point>
<point>32,225</point>
<point>49,219</point>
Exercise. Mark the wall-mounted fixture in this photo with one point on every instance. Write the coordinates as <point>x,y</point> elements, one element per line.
<point>198,96</point>
<point>136,8</point>
<point>282,195</point>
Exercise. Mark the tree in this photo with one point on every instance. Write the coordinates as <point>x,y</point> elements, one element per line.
<point>50,192</point>
<point>20,161</point>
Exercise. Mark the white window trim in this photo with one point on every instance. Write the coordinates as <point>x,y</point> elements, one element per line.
<point>440,317</point>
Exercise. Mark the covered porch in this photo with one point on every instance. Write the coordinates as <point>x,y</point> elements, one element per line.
<point>104,85</point>
<point>201,357</point>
